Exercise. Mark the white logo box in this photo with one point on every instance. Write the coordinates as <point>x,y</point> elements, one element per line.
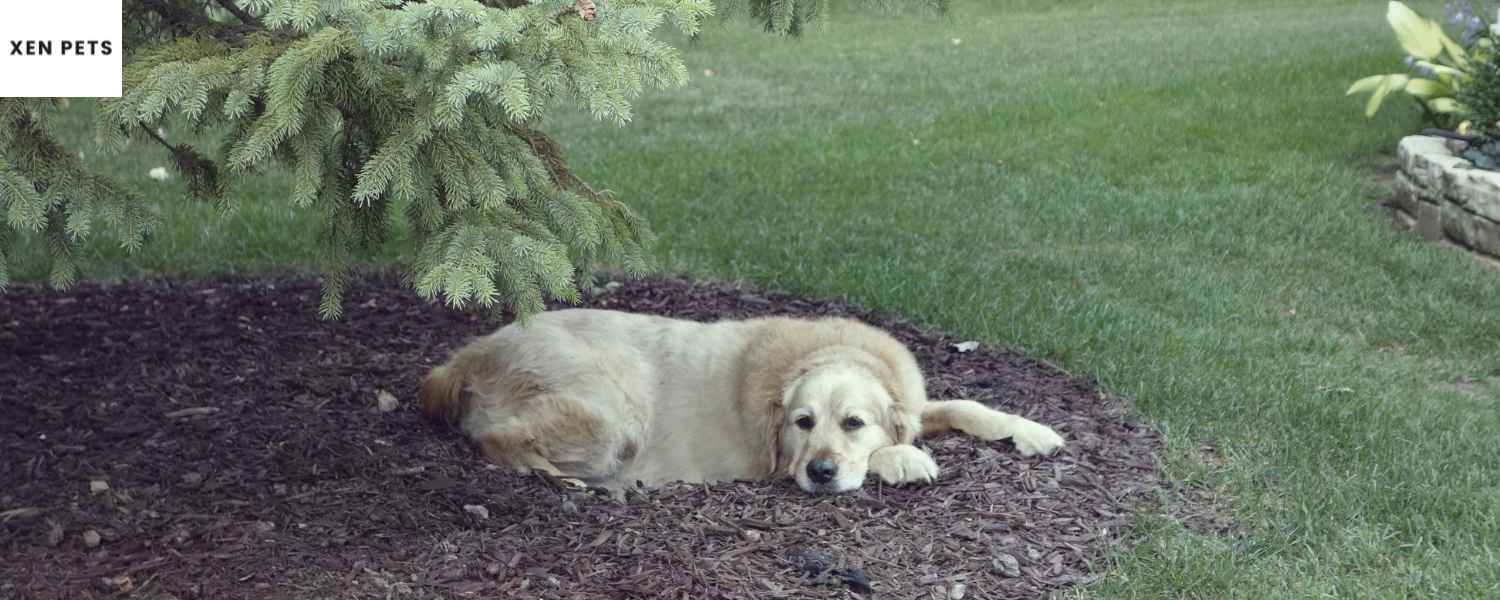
<point>60,48</point>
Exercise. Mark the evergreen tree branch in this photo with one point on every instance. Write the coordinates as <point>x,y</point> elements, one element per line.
<point>161,140</point>
<point>551,153</point>
<point>200,171</point>
<point>430,105</point>
<point>239,13</point>
<point>180,21</point>
<point>186,21</point>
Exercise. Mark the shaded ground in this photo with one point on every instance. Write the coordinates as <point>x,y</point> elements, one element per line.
<point>244,457</point>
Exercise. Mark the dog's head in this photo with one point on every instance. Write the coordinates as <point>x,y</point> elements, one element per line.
<point>834,417</point>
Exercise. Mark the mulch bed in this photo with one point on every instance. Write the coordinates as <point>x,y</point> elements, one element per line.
<point>216,440</point>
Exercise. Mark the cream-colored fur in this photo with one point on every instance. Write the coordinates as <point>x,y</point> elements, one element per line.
<point>615,398</point>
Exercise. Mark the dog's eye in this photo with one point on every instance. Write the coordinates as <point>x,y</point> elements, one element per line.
<point>805,422</point>
<point>852,423</point>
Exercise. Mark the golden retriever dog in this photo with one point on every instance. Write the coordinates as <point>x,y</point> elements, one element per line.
<point>612,399</point>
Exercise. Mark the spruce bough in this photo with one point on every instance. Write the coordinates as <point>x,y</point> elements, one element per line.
<point>428,109</point>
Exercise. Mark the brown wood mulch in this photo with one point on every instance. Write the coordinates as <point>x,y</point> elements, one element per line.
<point>215,440</point>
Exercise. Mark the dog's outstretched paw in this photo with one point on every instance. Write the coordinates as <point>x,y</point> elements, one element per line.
<point>1035,438</point>
<point>898,465</point>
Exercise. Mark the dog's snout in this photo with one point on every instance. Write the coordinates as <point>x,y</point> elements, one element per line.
<point>822,470</point>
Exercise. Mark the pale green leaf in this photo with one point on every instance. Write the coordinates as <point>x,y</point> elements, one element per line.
<point>1420,37</point>
<point>1440,70</point>
<point>1456,53</point>
<point>1391,83</point>
<point>1444,105</point>
<point>1367,84</point>
<point>1428,89</point>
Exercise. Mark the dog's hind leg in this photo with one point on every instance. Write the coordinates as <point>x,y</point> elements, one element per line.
<point>988,424</point>
<point>554,436</point>
<point>520,453</point>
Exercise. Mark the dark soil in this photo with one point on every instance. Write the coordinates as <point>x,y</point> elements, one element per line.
<point>244,457</point>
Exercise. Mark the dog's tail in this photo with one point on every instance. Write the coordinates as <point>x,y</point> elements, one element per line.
<point>442,392</point>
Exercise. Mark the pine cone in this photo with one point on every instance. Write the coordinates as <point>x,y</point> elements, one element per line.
<point>586,9</point>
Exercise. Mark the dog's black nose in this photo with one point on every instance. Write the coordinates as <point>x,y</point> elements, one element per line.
<point>821,470</point>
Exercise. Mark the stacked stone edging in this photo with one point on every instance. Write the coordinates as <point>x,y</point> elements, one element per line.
<point>1447,196</point>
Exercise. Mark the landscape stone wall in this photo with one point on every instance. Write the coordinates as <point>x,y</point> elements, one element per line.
<point>1446,196</point>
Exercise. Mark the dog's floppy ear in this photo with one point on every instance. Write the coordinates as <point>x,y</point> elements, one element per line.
<point>765,415</point>
<point>775,415</point>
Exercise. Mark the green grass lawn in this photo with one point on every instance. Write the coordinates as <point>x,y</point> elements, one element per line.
<point>1174,197</point>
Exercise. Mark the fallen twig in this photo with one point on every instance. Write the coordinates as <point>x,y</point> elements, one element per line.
<point>191,412</point>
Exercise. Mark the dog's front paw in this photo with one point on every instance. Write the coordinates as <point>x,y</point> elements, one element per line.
<point>897,465</point>
<point>1033,438</point>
